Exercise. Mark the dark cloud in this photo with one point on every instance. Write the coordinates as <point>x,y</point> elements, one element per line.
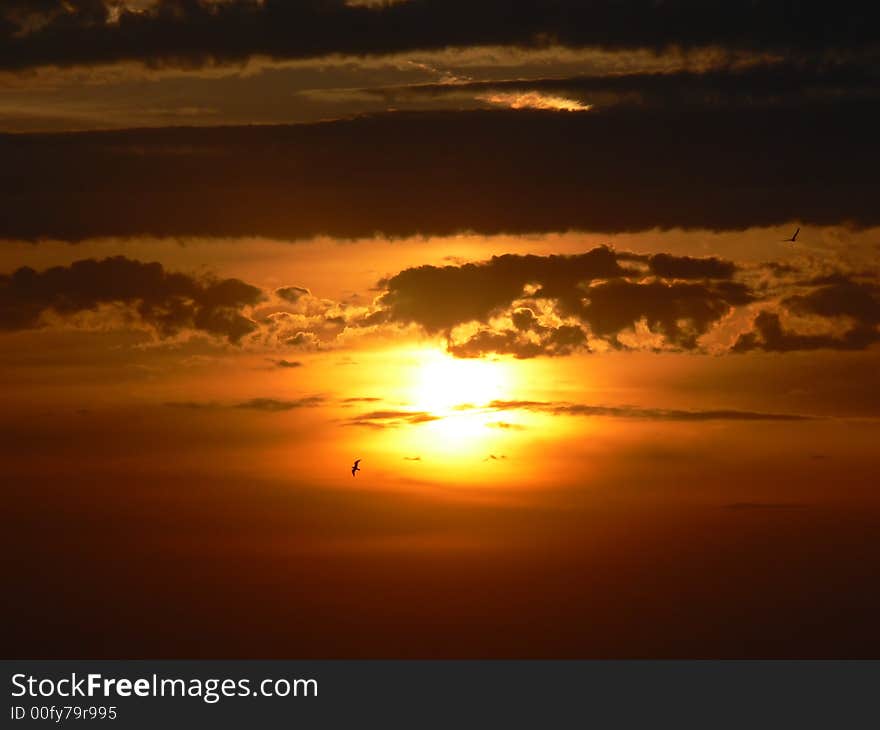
<point>521,305</point>
<point>391,418</point>
<point>681,312</point>
<point>491,172</point>
<point>840,296</point>
<point>768,334</point>
<point>275,405</point>
<point>396,418</point>
<point>268,405</point>
<point>441,297</point>
<point>292,293</point>
<point>169,302</point>
<point>530,306</point>
<point>550,342</point>
<point>188,33</point>
<point>778,83</point>
<point>591,288</point>
<point>687,267</point>
<point>779,269</point>
<point>653,414</point>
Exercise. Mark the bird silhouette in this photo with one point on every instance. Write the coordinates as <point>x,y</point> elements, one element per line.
<point>793,239</point>
<point>355,468</point>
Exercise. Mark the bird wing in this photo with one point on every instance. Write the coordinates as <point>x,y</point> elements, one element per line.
<point>356,462</point>
<point>795,234</point>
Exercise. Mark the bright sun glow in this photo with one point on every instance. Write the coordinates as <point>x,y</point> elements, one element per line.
<point>444,383</point>
<point>456,393</point>
<point>438,418</point>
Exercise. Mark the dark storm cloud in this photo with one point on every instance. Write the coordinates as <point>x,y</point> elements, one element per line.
<point>531,306</point>
<point>653,414</point>
<point>687,267</point>
<point>836,296</point>
<point>490,172</point>
<point>167,301</point>
<point>551,342</point>
<point>680,311</point>
<point>441,297</point>
<point>593,288</point>
<point>189,33</point>
<point>840,296</point>
<point>521,305</point>
<point>768,334</point>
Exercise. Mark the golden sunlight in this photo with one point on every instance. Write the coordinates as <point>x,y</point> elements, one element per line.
<point>455,394</point>
<point>443,385</point>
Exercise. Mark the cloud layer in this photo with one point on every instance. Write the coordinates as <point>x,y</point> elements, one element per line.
<point>189,33</point>
<point>394,419</point>
<point>490,172</point>
<point>776,83</point>
<point>549,305</point>
<point>520,305</point>
<point>167,302</point>
<point>527,306</point>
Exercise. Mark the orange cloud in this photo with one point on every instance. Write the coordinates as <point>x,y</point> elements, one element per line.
<point>535,100</point>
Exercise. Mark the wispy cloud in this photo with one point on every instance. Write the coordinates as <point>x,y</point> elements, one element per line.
<point>268,405</point>
<point>273,404</point>
<point>391,418</point>
<point>381,419</point>
<point>534,100</point>
<point>635,412</point>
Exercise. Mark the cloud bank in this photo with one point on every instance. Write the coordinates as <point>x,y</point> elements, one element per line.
<point>549,305</point>
<point>491,172</point>
<point>167,302</point>
<point>521,305</point>
<point>191,33</point>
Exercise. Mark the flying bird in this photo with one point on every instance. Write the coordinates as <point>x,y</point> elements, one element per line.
<point>355,468</point>
<point>793,239</point>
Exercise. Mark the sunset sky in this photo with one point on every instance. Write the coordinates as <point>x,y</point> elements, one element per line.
<point>527,261</point>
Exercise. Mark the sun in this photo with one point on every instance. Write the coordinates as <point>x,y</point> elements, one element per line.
<point>445,415</point>
<point>444,385</point>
